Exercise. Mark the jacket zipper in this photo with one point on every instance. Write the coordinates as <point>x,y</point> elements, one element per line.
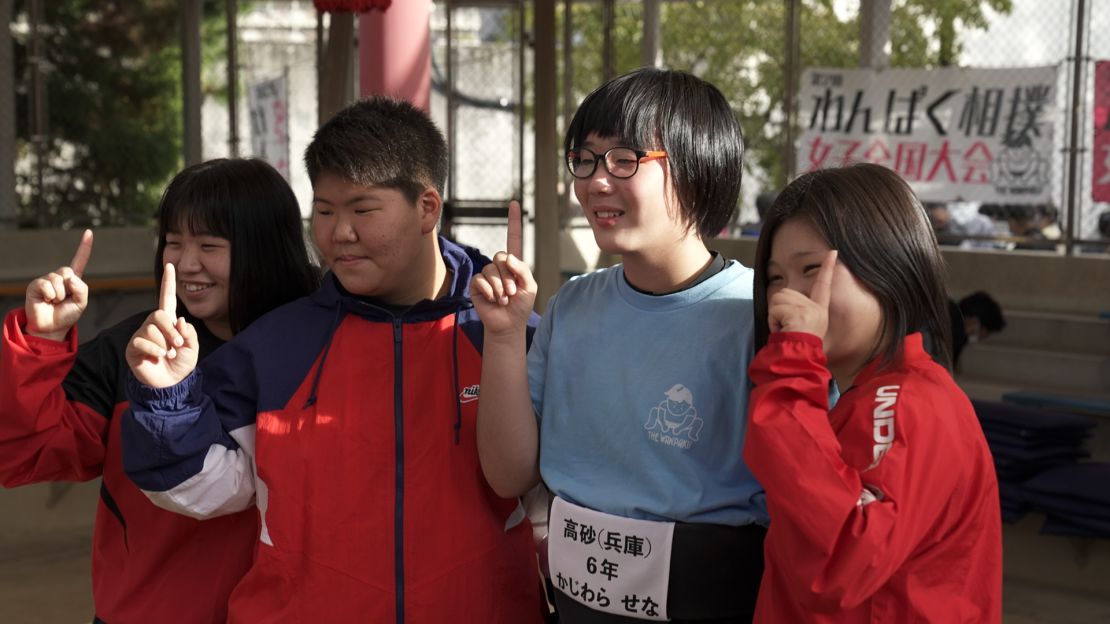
<point>399,479</point>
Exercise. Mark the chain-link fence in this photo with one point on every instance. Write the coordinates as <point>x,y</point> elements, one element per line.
<point>477,91</point>
<point>97,98</point>
<point>1094,109</point>
<point>97,147</point>
<point>277,74</point>
<point>965,110</point>
<point>1010,142</point>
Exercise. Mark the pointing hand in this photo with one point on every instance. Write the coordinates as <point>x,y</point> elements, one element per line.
<point>166,348</point>
<point>55,302</point>
<point>505,291</point>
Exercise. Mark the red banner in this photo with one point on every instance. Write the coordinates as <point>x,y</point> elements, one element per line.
<point>1100,178</point>
<point>351,6</point>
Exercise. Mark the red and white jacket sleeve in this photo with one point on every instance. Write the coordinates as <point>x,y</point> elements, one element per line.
<point>44,436</point>
<point>841,524</point>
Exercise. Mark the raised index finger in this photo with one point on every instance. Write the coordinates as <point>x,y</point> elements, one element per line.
<point>515,242</point>
<point>81,256</point>
<point>823,286</point>
<point>167,298</point>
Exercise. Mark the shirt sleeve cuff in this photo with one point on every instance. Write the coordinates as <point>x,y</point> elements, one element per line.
<point>177,397</point>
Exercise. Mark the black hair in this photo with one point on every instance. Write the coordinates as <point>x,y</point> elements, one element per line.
<point>247,202</point>
<point>983,307</point>
<point>380,141</point>
<point>882,235</point>
<point>1104,224</point>
<point>1022,212</point>
<point>763,203</point>
<point>994,211</point>
<point>683,115</point>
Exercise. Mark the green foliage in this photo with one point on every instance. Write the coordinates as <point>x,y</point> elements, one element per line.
<point>944,16</point>
<point>114,110</point>
<point>740,46</point>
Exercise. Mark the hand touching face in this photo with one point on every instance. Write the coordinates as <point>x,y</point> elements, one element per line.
<point>802,310</point>
<point>810,290</point>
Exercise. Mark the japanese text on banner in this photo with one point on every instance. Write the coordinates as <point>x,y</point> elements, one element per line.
<point>952,133</point>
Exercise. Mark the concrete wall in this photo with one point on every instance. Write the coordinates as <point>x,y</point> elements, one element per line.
<point>1033,281</point>
<point>26,254</point>
<point>1018,280</point>
<point>120,271</point>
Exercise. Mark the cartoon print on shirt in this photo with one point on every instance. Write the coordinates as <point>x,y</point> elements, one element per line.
<point>675,420</point>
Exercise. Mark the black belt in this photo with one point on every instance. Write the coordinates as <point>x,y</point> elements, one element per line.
<point>715,570</point>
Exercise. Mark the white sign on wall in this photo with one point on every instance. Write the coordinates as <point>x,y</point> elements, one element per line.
<point>952,133</point>
<point>269,112</point>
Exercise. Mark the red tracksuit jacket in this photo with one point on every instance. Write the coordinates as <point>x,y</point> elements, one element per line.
<point>60,408</point>
<point>351,427</point>
<point>884,509</point>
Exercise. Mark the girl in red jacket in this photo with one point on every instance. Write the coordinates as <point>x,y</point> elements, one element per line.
<point>233,230</point>
<point>884,508</point>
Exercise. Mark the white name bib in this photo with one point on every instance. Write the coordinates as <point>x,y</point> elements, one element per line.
<point>609,563</point>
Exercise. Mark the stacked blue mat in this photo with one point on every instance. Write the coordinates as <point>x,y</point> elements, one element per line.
<point>1074,497</point>
<point>1036,453</point>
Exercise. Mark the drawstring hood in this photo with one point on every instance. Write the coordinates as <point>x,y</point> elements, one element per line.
<point>464,263</point>
<point>336,319</point>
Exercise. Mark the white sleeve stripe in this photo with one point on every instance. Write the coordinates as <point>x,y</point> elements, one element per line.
<point>224,485</point>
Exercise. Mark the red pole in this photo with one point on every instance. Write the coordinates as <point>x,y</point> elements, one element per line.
<point>395,54</point>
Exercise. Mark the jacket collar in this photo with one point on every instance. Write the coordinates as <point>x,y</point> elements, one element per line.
<point>462,261</point>
<point>913,353</point>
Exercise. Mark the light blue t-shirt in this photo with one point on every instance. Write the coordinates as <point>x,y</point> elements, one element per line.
<point>642,400</point>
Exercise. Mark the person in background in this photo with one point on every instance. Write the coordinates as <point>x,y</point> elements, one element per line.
<point>447,222</point>
<point>1025,220</point>
<point>951,231</point>
<point>1103,235</point>
<point>763,203</point>
<point>975,317</point>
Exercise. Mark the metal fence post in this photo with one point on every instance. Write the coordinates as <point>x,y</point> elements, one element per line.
<point>190,78</point>
<point>8,205</point>
<point>1075,115</point>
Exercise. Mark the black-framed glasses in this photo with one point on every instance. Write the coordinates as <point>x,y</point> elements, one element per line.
<point>620,162</point>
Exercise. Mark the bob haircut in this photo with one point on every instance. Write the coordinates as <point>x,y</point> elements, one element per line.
<point>381,142</point>
<point>683,115</point>
<point>883,236</point>
<point>247,202</point>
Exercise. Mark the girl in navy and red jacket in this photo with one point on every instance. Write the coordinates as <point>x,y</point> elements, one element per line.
<point>233,230</point>
<point>884,508</point>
